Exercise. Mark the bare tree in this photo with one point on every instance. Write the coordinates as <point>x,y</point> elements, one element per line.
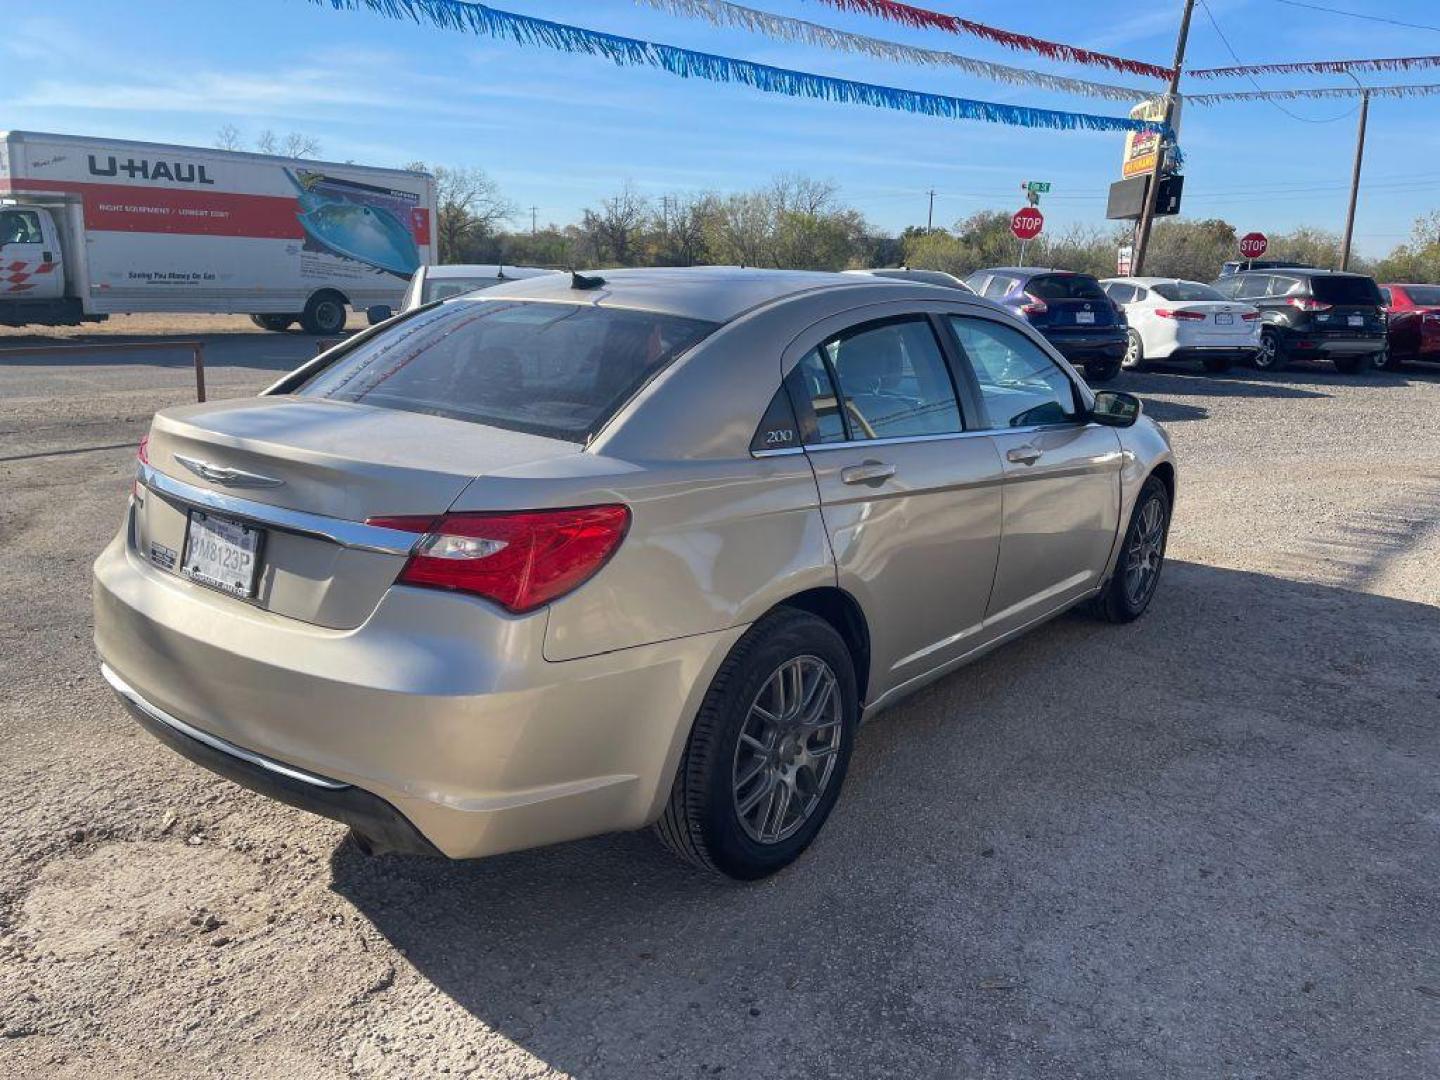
<point>469,208</point>
<point>614,231</point>
<point>228,138</point>
<point>297,145</point>
<point>266,142</point>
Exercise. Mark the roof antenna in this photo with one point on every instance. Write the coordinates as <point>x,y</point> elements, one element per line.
<point>582,281</point>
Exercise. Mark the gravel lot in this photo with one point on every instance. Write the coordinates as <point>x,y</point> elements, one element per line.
<point>1204,845</point>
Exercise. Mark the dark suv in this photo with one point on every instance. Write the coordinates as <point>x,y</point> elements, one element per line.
<point>1071,310</point>
<point>1320,314</point>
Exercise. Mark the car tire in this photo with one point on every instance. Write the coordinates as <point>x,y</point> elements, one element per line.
<point>1134,352</point>
<point>1271,354</point>
<point>1099,371</point>
<point>276,324</point>
<point>324,314</point>
<point>1388,360</point>
<point>713,819</point>
<point>1352,365</point>
<point>1142,557</point>
<point>1217,365</point>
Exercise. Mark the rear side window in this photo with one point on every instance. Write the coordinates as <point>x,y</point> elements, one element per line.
<point>1065,287</point>
<point>1345,290</point>
<point>1120,294</point>
<point>443,288</point>
<point>998,287</point>
<point>558,370</point>
<point>893,380</point>
<point>1286,286</point>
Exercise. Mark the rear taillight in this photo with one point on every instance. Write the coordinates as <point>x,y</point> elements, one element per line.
<point>522,560</point>
<point>1306,303</point>
<point>143,450</point>
<point>1181,316</point>
<point>1249,316</point>
<point>1036,306</point>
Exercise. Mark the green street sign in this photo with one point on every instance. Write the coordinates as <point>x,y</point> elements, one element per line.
<point>1037,186</point>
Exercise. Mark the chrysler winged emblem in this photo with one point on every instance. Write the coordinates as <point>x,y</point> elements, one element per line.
<point>221,474</point>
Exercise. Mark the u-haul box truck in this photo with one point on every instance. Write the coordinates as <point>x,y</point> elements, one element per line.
<point>95,227</point>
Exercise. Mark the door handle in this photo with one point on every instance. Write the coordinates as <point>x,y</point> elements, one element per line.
<point>867,472</point>
<point>1024,455</point>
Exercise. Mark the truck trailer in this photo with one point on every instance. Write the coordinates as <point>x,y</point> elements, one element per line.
<point>92,227</point>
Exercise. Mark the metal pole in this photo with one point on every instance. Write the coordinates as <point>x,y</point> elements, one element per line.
<point>930,217</point>
<point>1152,188</point>
<point>199,348</point>
<point>1355,181</point>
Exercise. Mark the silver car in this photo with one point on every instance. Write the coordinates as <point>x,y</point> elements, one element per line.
<point>579,554</point>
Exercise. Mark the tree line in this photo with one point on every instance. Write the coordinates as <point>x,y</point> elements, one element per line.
<point>798,222</point>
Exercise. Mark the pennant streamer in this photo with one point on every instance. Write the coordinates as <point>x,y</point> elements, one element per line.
<point>782,28</point>
<point>525,30</point>
<point>1319,67</point>
<point>953,24</point>
<point>1414,90</point>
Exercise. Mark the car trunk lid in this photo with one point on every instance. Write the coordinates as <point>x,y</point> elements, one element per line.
<point>307,474</point>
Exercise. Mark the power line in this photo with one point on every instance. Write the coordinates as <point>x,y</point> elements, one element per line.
<point>1359,15</point>
<point>1235,56</point>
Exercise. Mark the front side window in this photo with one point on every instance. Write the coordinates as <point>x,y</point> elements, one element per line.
<point>1019,384</point>
<point>558,370</point>
<point>893,381</point>
<point>1421,295</point>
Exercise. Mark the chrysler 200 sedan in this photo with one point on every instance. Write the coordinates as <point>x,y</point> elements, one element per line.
<point>579,554</point>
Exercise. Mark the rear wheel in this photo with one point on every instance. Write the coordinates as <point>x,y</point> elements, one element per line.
<point>324,314</point>
<point>1141,557</point>
<point>1134,352</point>
<point>1271,354</point>
<point>277,324</point>
<point>1217,364</point>
<point>768,752</point>
<point>1101,370</point>
<point>1388,360</point>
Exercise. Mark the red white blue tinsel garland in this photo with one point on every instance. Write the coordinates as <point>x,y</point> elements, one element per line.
<point>1319,67</point>
<point>783,28</point>
<point>476,18</point>
<point>925,19</point>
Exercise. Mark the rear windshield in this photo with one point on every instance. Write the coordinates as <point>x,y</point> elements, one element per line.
<point>1425,295</point>
<point>444,288</point>
<point>559,370</point>
<point>1186,290</point>
<point>1065,287</point>
<point>1345,290</point>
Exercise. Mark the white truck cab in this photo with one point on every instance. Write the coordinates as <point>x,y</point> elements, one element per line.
<point>32,261</point>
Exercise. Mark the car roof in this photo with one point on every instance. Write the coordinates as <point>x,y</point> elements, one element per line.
<point>1150,282</point>
<point>484,270</point>
<point>711,293</point>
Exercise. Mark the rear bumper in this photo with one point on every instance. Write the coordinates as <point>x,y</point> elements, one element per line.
<point>1339,345</point>
<point>384,827</point>
<point>1081,349</point>
<point>1236,353</point>
<point>439,717</point>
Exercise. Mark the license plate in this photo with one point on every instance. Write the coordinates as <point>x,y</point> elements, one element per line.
<point>1224,320</point>
<point>1084,316</point>
<point>1357,320</point>
<point>223,554</point>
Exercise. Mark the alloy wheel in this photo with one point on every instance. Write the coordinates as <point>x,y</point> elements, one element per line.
<point>787,750</point>
<point>1144,553</point>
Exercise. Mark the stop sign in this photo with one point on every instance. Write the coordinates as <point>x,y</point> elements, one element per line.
<point>1027,223</point>
<point>1253,245</point>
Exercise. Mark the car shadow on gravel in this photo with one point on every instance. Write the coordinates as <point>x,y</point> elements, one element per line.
<point>1101,851</point>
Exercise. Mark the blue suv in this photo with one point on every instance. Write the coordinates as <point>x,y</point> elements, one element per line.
<point>1071,310</point>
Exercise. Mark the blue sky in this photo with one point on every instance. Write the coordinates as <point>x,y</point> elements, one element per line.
<point>561,131</point>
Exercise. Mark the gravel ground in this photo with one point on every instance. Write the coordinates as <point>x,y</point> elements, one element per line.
<point>1204,845</point>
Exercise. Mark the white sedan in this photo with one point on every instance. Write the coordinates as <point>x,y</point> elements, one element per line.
<point>1171,319</point>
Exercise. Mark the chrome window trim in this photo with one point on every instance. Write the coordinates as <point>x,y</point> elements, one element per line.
<point>898,440</point>
<point>130,694</point>
<point>349,534</point>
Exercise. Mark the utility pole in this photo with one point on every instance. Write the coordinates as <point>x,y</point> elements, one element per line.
<point>1152,189</point>
<point>533,210</point>
<point>930,217</point>
<point>1355,181</point>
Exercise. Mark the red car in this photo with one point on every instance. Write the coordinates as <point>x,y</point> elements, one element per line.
<point>1414,323</point>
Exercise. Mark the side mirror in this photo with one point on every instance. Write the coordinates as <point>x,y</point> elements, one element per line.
<point>378,313</point>
<point>1115,408</point>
